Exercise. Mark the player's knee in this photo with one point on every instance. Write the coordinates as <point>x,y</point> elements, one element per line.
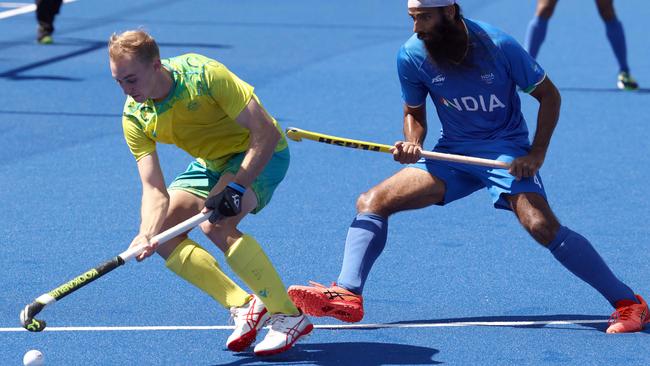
<point>210,229</point>
<point>371,201</point>
<point>168,248</point>
<point>541,229</point>
<point>607,14</point>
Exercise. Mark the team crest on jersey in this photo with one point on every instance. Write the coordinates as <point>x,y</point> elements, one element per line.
<point>193,105</point>
<point>474,103</point>
<point>488,78</point>
<point>438,80</point>
<point>146,112</point>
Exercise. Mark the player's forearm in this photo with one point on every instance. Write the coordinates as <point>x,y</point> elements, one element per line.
<point>262,145</point>
<point>415,125</point>
<point>547,118</point>
<point>153,211</point>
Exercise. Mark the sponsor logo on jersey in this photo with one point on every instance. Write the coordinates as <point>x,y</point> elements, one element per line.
<point>438,80</point>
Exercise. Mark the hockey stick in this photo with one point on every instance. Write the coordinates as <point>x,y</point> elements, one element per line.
<point>27,315</point>
<point>298,134</point>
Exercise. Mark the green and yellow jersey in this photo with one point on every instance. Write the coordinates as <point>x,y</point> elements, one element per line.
<point>198,115</point>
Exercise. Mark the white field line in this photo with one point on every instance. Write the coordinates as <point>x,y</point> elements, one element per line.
<point>12,5</point>
<point>322,326</point>
<point>21,9</point>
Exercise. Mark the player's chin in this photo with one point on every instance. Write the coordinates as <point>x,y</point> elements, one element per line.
<point>138,98</point>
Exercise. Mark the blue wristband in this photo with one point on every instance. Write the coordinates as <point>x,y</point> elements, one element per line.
<point>239,188</point>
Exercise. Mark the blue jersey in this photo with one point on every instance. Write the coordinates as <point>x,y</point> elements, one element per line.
<point>475,101</point>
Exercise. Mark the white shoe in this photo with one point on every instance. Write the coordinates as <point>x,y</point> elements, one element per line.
<point>285,331</point>
<point>248,319</point>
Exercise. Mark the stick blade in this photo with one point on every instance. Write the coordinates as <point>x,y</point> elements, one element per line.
<point>28,321</point>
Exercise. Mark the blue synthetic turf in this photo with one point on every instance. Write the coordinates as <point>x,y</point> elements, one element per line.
<point>70,192</point>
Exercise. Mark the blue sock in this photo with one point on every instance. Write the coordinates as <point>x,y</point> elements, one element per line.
<point>365,242</point>
<point>578,256</point>
<point>535,35</point>
<point>616,37</point>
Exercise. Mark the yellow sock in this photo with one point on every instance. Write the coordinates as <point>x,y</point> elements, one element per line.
<point>247,259</point>
<point>194,264</point>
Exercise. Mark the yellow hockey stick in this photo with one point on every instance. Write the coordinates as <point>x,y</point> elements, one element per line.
<point>298,134</point>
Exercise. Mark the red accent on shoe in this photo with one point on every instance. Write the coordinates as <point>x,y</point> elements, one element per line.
<point>284,333</point>
<point>250,317</point>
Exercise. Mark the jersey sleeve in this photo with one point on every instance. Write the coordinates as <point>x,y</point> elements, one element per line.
<point>230,92</point>
<point>138,142</point>
<point>414,93</point>
<point>524,70</point>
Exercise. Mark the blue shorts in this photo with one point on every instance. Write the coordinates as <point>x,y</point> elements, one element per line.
<point>463,179</point>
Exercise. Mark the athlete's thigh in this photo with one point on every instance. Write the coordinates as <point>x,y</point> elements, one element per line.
<point>408,189</point>
<point>182,206</point>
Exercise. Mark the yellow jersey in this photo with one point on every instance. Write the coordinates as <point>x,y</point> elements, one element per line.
<point>198,115</point>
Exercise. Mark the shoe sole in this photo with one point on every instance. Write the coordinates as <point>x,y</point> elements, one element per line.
<point>243,342</point>
<point>318,304</point>
<point>305,332</point>
<point>246,339</point>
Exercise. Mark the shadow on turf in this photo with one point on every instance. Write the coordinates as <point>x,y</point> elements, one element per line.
<point>346,353</point>
<point>88,46</point>
<point>600,326</point>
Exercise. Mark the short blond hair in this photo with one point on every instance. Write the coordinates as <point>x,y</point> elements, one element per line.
<point>136,43</point>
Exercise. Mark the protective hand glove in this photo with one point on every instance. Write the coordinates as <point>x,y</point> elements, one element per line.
<point>226,203</point>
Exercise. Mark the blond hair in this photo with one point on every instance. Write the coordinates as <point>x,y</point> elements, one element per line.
<point>136,43</point>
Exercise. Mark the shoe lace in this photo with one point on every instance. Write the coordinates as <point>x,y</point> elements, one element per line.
<point>623,314</point>
<point>234,313</point>
<point>278,321</point>
<point>281,323</point>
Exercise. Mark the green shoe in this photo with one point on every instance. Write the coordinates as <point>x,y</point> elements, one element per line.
<point>46,40</point>
<point>626,81</point>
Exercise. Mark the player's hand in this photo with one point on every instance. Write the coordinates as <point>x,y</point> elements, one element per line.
<point>528,165</point>
<point>225,203</point>
<point>406,152</point>
<point>143,241</point>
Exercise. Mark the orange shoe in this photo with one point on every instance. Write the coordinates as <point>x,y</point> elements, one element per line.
<point>629,316</point>
<point>335,301</point>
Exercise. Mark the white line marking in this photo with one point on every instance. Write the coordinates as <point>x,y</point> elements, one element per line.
<point>27,8</point>
<point>12,5</point>
<point>321,326</point>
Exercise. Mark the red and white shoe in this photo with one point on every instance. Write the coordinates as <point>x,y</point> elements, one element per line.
<point>629,316</point>
<point>284,333</point>
<point>248,319</point>
<point>334,301</point>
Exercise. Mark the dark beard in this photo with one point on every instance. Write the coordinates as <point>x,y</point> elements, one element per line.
<point>446,44</point>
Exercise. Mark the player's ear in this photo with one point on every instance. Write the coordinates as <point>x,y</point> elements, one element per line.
<point>449,12</point>
<point>157,65</point>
